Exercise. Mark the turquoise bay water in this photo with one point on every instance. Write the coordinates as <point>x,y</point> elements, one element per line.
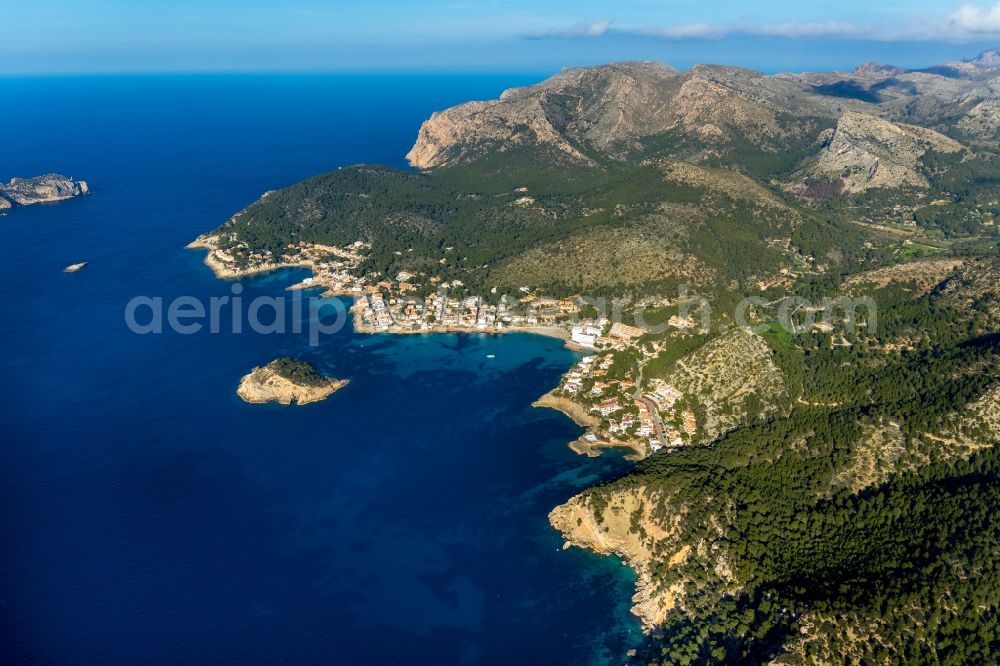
<point>149,515</point>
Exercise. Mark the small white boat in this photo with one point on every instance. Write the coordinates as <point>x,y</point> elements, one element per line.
<point>491,356</point>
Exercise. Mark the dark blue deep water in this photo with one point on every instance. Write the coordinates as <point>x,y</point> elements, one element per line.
<point>149,515</point>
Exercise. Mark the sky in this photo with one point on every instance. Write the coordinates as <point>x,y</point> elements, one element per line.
<point>83,36</point>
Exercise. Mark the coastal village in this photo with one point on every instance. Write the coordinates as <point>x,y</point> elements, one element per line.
<point>606,385</point>
<point>604,392</point>
<point>628,412</point>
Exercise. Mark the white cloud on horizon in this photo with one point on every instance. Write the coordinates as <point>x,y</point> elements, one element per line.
<point>968,22</point>
<point>977,20</point>
<point>690,31</point>
<point>790,29</point>
<point>579,29</point>
<point>816,29</point>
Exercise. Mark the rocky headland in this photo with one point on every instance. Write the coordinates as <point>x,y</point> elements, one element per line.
<point>574,410</point>
<point>611,529</point>
<point>225,267</point>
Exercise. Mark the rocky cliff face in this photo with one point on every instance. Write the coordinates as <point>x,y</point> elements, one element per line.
<point>42,189</point>
<point>625,527</point>
<point>866,152</point>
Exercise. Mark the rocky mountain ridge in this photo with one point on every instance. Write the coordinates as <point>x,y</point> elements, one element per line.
<point>621,110</point>
<point>587,114</point>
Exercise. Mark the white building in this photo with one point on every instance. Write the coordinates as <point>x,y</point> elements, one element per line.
<point>585,335</point>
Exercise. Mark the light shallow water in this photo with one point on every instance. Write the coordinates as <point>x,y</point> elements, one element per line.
<point>148,514</point>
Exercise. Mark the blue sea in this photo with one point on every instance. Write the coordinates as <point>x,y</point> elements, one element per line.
<point>149,515</point>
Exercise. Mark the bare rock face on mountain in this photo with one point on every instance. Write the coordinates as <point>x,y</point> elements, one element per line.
<point>866,152</point>
<point>711,105</point>
<point>607,111</point>
<point>982,120</point>
<point>602,103</point>
<point>42,189</point>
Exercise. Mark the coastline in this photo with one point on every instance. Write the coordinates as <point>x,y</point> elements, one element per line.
<point>648,603</point>
<point>583,447</point>
<point>572,410</point>
<point>612,534</point>
<point>223,272</point>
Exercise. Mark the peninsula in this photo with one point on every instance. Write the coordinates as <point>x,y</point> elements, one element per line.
<point>784,289</point>
<point>287,381</point>
<point>41,189</point>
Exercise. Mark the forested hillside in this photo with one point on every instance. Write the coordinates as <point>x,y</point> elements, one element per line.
<point>855,525</point>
